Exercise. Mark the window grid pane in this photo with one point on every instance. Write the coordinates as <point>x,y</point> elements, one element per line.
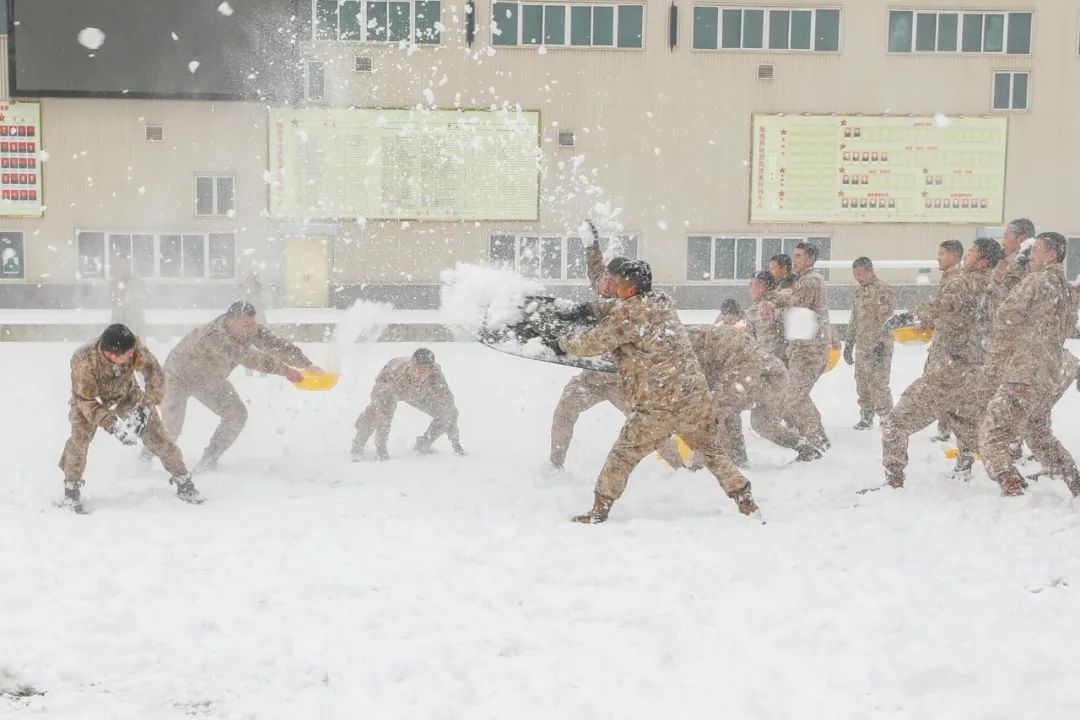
<point>169,248</point>
<point>732,28</point>
<point>224,196</point>
<point>428,13</point>
<point>745,258</point>
<point>575,259</point>
<point>350,23</point>
<point>753,29</point>
<point>554,25</point>
<point>706,27</point>
<point>994,33</point>
<point>222,256</point>
<point>724,265</point>
<point>581,25</point>
<point>376,21</point>
<point>926,32</point>
<point>947,27</point>
<point>901,30</point>
<point>506,21</point>
<point>142,255</point>
<point>204,196</point>
<point>1019,42</point>
<point>1020,91</point>
<point>551,258</point>
<point>631,22</point>
<point>399,22</point>
<point>827,30</point>
<point>532,24</point>
<point>973,31</point>
<point>194,256</point>
<point>778,29</point>
<point>604,25</point>
<point>699,258</point>
<point>1002,91</point>
<point>801,21</point>
<point>529,257</point>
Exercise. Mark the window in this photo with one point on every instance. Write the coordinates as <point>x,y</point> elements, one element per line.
<point>12,262</point>
<point>1072,257</point>
<point>552,257</point>
<point>568,25</point>
<point>737,257</point>
<point>315,81</point>
<point>956,31</point>
<point>1010,91</point>
<point>166,255</point>
<point>804,30</point>
<point>415,21</point>
<point>214,196</point>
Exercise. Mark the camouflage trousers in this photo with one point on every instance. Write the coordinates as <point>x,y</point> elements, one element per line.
<point>806,363</point>
<point>584,391</point>
<point>764,398</point>
<point>379,416</point>
<point>219,397</point>
<point>646,429</point>
<point>154,438</point>
<point>1021,413</point>
<point>938,393</point>
<point>872,380</point>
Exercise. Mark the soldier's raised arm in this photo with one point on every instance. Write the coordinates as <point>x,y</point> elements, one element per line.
<point>594,258</point>
<point>614,330</point>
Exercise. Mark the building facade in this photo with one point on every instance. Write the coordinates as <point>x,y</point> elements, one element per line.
<point>645,118</point>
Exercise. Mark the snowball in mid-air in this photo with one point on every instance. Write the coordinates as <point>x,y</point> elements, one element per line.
<point>193,66</point>
<point>225,9</point>
<point>941,120</point>
<point>91,38</point>
<point>800,324</point>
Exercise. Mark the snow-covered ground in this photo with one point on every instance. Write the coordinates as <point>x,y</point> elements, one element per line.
<point>312,587</point>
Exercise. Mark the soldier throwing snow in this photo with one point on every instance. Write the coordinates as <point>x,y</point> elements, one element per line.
<point>664,387</point>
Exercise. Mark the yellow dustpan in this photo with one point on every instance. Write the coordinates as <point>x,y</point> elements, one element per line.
<point>317,381</point>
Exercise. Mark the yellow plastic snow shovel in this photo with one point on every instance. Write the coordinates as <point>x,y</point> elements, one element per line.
<point>684,450</point>
<point>912,336</point>
<point>317,381</point>
<point>834,357</point>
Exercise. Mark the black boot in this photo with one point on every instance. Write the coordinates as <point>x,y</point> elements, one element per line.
<point>867,421</point>
<point>185,488</point>
<point>599,513</point>
<point>73,497</point>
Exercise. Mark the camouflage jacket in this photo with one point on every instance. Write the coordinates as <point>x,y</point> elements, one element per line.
<point>101,389</point>
<point>396,383</point>
<point>874,304</point>
<point>1006,276</point>
<point>961,315</point>
<point>210,353</point>
<point>657,365</point>
<point>809,292</point>
<point>727,355</point>
<point>768,331</point>
<point>1031,327</point>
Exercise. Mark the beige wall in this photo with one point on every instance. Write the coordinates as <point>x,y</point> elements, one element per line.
<point>666,132</point>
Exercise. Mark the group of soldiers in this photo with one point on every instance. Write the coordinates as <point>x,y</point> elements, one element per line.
<point>995,369</point>
<point>106,394</point>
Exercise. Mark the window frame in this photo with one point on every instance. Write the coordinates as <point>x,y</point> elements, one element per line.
<point>761,261</point>
<point>568,26</point>
<point>1012,88</point>
<point>564,252</point>
<point>767,10</point>
<point>960,15</point>
<point>308,96</point>
<point>156,277</point>
<point>214,198</point>
<point>363,24</point>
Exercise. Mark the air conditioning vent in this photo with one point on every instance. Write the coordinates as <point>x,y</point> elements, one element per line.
<point>765,71</point>
<point>155,133</point>
<point>363,64</point>
<point>566,138</point>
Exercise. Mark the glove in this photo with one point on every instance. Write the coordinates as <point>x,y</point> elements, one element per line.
<point>457,448</point>
<point>553,345</point>
<point>293,375</point>
<point>1023,257</point>
<point>900,320</point>
<point>129,428</point>
<point>878,352</point>
<point>849,353</point>
<point>594,231</point>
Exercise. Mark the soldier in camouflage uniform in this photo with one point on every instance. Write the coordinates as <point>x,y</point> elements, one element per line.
<point>807,358</point>
<point>959,315</point>
<point>781,268</point>
<point>1030,329</point>
<point>870,346</point>
<point>416,381</point>
<point>664,387</point>
<point>200,364</point>
<point>1008,274</point>
<point>589,387</point>
<point>742,376</point>
<point>106,395</point>
<point>768,331</point>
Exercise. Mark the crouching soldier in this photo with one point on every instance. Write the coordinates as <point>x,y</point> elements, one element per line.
<point>200,365</point>
<point>664,387</point>
<point>105,394</point>
<point>417,381</point>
